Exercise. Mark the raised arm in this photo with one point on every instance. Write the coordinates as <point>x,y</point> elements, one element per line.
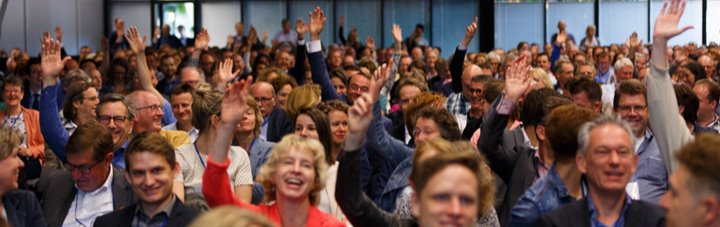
<point>216,182</point>
<point>317,62</point>
<point>298,71</point>
<point>390,149</point>
<point>516,83</point>
<point>225,75</point>
<point>456,65</point>
<point>50,125</point>
<point>354,203</point>
<point>667,125</point>
<point>202,40</point>
<point>137,44</point>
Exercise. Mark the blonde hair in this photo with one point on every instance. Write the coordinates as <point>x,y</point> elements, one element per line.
<point>9,140</point>
<point>229,216</point>
<point>302,97</point>
<point>542,77</point>
<point>267,172</point>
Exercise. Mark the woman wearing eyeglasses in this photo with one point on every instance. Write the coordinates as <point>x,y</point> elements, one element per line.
<point>27,122</point>
<point>20,207</point>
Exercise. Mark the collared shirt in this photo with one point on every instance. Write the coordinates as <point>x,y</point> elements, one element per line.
<point>119,155</point>
<point>160,219</point>
<point>545,195</point>
<point>594,222</point>
<point>650,180</point>
<point>457,104</point>
<point>264,128</point>
<point>69,126</point>
<point>605,78</point>
<point>87,206</point>
<point>193,133</point>
<point>714,124</point>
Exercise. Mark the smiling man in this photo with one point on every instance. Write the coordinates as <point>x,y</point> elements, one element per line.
<point>151,168</point>
<point>606,157</point>
<point>90,187</point>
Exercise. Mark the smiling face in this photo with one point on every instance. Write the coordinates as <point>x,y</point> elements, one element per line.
<point>633,109</point>
<point>295,175</point>
<point>151,177</point>
<point>87,105</point>
<point>425,129</point>
<point>148,114</point>
<point>609,161</point>
<point>12,95</point>
<point>182,107</point>
<point>340,88</point>
<point>118,129</point>
<point>450,198</point>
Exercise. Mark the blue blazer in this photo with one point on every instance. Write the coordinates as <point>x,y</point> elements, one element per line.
<point>23,209</point>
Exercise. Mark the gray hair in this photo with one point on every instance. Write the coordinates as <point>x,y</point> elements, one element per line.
<point>115,97</point>
<point>584,133</point>
<point>622,62</point>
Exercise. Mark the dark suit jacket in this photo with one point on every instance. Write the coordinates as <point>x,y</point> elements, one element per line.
<point>181,215</point>
<point>57,192</point>
<point>279,125</point>
<point>639,213</point>
<point>23,209</point>
<point>509,158</point>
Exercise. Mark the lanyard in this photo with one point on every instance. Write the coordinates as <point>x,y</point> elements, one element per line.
<point>199,156</point>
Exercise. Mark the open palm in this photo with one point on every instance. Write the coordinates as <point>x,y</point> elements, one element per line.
<point>52,63</point>
<point>666,24</point>
<point>234,103</point>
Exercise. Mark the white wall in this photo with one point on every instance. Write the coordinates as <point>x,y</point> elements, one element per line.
<point>26,20</point>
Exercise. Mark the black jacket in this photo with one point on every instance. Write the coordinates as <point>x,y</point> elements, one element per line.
<point>180,215</point>
<point>279,125</point>
<point>639,213</point>
<point>23,209</point>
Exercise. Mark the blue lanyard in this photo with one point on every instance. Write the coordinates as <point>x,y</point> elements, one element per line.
<point>199,156</point>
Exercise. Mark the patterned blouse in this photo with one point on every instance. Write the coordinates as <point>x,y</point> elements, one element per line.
<point>193,166</point>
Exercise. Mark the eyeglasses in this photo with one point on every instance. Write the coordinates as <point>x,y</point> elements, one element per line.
<point>84,169</point>
<point>636,108</point>
<point>263,100</point>
<point>359,88</point>
<point>154,107</point>
<point>104,119</point>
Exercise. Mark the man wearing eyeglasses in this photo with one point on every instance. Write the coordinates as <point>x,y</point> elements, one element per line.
<point>276,122</point>
<point>116,114</point>
<point>91,188</point>
<point>649,182</point>
<point>148,117</point>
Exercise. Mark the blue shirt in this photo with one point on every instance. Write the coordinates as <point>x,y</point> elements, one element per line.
<point>604,78</point>
<point>545,195</point>
<point>119,156</point>
<point>651,175</point>
<point>168,117</point>
<point>620,222</point>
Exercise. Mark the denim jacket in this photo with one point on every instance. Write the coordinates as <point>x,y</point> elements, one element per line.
<point>547,194</point>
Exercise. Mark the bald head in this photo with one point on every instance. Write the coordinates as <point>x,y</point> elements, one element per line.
<point>191,76</point>
<point>148,111</point>
<point>264,95</point>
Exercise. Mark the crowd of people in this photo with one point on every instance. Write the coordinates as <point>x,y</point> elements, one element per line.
<point>297,133</point>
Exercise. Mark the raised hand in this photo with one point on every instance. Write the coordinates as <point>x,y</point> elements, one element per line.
<point>317,23</point>
<point>137,44</point>
<point>666,24</point>
<point>104,43</point>
<point>359,118</point>
<point>397,33</point>
<point>378,80</point>
<point>202,40</point>
<point>517,79</point>
<point>370,43</point>
<point>470,32</point>
<point>51,62</point>
<point>264,37</point>
<point>225,73</point>
<point>300,28</point>
<point>234,103</point>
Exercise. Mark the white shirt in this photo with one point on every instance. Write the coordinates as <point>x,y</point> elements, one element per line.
<point>87,206</point>
<point>193,133</point>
